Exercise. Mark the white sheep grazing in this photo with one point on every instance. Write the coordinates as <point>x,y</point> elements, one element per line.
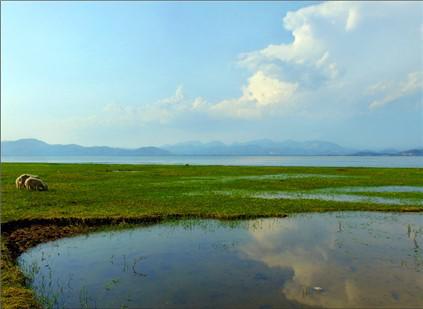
<point>20,181</point>
<point>37,184</point>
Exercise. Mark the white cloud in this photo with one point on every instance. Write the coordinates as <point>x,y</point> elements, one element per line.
<point>341,48</point>
<point>262,91</point>
<point>265,90</point>
<point>352,20</point>
<point>338,53</point>
<point>344,58</point>
<point>311,45</point>
<point>390,91</point>
<point>178,97</point>
<point>162,111</point>
<point>199,103</point>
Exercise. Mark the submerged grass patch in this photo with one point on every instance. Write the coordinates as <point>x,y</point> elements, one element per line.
<point>103,191</point>
<point>348,198</point>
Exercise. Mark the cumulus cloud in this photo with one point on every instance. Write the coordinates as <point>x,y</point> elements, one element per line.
<point>335,60</point>
<point>178,97</point>
<point>264,90</point>
<point>261,91</point>
<point>344,58</point>
<point>310,49</point>
<point>352,19</point>
<point>162,111</point>
<point>389,91</point>
<point>342,48</point>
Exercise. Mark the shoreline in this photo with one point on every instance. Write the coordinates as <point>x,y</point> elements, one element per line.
<point>340,161</point>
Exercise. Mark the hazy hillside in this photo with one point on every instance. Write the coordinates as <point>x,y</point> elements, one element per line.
<point>34,147</point>
<point>265,147</point>
<point>412,152</point>
<point>259,147</point>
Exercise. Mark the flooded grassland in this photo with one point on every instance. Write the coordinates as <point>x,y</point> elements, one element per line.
<point>354,259</point>
<point>316,260</point>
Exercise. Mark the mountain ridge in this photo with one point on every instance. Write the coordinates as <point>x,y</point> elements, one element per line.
<point>35,147</point>
<point>259,147</point>
<point>264,147</point>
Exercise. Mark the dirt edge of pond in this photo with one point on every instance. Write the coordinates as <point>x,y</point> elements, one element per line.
<point>20,235</point>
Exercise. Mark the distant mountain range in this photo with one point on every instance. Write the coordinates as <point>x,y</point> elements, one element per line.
<point>34,147</point>
<point>265,147</point>
<point>259,147</point>
<point>286,148</point>
<point>410,152</point>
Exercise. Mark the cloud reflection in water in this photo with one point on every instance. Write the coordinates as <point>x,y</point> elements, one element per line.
<point>357,260</point>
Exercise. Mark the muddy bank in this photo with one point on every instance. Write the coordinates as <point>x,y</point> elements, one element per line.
<point>25,238</point>
<point>21,235</point>
<point>13,225</point>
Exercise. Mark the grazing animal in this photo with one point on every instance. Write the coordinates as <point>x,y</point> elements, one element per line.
<point>37,184</point>
<point>20,181</point>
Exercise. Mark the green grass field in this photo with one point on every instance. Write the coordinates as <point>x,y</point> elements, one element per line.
<point>142,191</point>
<point>86,190</point>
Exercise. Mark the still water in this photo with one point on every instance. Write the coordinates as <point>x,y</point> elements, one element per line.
<point>338,198</point>
<point>379,161</point>
<point>342,259</point>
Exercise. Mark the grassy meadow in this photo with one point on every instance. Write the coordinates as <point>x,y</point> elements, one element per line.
<point>95,191</point>
<point>92,191</point>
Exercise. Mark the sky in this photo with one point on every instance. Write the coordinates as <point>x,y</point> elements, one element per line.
<point>131,74</point>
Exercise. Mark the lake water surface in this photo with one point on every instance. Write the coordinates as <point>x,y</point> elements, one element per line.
<point>342,259</point>
<point>372,161</point>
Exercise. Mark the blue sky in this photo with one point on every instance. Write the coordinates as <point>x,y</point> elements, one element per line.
<point>137,73</point>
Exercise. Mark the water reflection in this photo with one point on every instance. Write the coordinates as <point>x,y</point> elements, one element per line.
<point>417,189</point>
<point>348,261</point>
<point>270,177</point>
<point>339,198</point>
<point>355,259</point>
<point>285,176</point>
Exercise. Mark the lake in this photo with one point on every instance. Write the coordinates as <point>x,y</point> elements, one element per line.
<point>344,161</point>
<point>338,259</point>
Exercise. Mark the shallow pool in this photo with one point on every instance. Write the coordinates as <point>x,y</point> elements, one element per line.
<point>339,198</point>
<point>350,259</point>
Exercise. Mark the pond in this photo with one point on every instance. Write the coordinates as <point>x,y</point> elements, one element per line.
<point>338,259</point>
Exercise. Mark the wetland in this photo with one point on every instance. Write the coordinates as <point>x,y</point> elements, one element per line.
<point>310,236</point>
<point>348,259</point>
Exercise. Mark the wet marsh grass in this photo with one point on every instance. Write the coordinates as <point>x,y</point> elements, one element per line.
<point>97,190</point>
<point>112,191</point>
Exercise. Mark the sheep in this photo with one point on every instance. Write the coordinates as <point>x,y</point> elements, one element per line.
<point>20,181</point>
<point>37,184</point>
